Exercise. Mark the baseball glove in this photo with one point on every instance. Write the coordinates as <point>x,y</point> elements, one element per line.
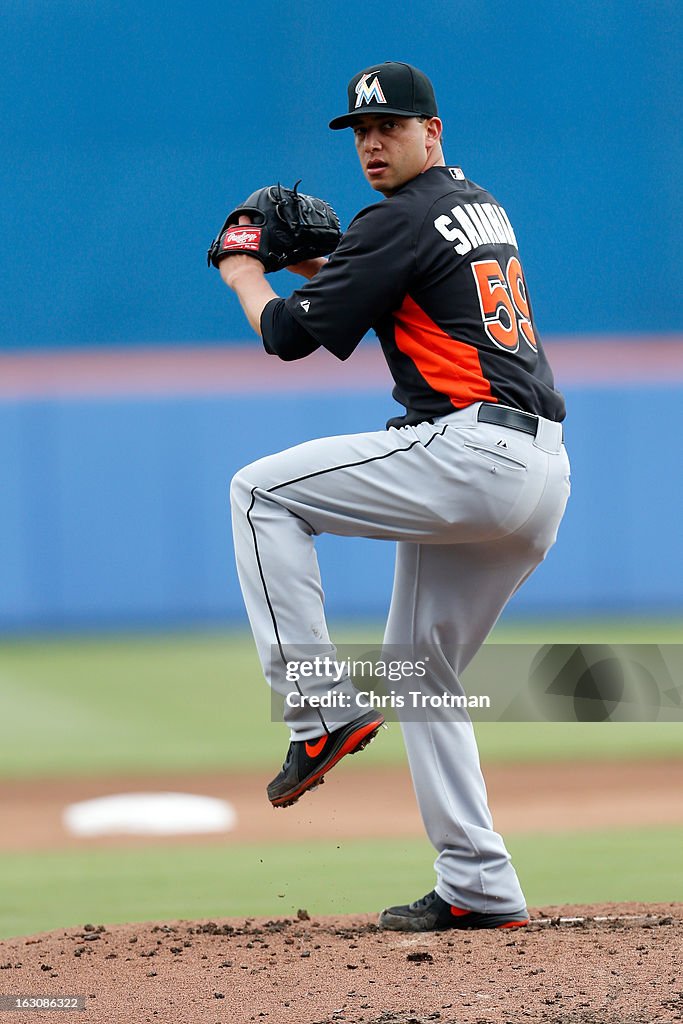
<point>286,227</point>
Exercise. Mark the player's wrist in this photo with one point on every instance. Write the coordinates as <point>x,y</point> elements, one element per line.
<point>238,270</point>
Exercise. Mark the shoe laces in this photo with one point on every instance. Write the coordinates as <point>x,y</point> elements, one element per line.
<point>288,758</point>
<point>425,900</point>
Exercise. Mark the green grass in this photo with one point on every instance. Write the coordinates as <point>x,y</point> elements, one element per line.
<point>604,866</point>
<point>47,891</point>
<point>197,702</point>
<point>131,703</point>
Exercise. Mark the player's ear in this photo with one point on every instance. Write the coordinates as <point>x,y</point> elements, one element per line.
<point>433,130</point>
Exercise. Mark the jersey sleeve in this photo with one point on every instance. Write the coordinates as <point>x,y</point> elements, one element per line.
<point>282,335</point>
<point>366,278</point>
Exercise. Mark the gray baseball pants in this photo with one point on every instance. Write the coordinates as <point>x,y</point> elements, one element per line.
<point>474,507</point>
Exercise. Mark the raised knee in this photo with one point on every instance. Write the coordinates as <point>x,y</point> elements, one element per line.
<point>241,487</point>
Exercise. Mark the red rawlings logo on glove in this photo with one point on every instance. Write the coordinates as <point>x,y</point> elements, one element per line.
<point>241,238</point>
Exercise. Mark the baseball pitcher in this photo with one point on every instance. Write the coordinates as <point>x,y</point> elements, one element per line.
<point>471,482</point>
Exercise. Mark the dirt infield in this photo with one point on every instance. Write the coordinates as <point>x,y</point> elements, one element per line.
<point>557,797</point>
<point>344,971</point>
<point>327,970</point>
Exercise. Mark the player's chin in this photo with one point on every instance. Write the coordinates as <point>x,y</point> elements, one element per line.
<point>380,184</point>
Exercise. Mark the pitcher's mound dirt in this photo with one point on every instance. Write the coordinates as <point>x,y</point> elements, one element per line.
<point>343,971</point>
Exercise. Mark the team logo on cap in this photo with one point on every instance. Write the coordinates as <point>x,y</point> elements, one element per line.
<point>367,91</point>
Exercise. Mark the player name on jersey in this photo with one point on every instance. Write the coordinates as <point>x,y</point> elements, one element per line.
<point>479,224</point>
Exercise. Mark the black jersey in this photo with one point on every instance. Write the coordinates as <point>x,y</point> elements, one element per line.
<point>435,270</point>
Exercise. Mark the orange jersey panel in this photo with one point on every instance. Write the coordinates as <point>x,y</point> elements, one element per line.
<point>449,366</point>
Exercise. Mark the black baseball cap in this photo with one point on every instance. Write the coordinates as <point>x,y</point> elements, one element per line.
<point>390,88</point>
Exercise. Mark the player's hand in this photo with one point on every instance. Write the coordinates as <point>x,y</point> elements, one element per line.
<point>308,268</point>
<point>278,227</point>
<point>233,267</point>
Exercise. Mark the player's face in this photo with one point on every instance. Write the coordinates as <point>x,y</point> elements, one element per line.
<point>393,150</point>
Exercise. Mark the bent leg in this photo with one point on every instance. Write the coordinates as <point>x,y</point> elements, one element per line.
<point>389,485</point>
<point>418,485</point>
<point>344,485</point>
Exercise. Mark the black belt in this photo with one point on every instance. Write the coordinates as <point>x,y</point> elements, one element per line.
<point>504,417</point>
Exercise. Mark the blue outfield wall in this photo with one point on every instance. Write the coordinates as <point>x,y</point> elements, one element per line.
<point>131,129</point>
<point>114,512</point>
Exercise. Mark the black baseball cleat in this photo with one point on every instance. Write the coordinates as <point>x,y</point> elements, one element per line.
<point>431,913</point>
<point>308,761</point>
